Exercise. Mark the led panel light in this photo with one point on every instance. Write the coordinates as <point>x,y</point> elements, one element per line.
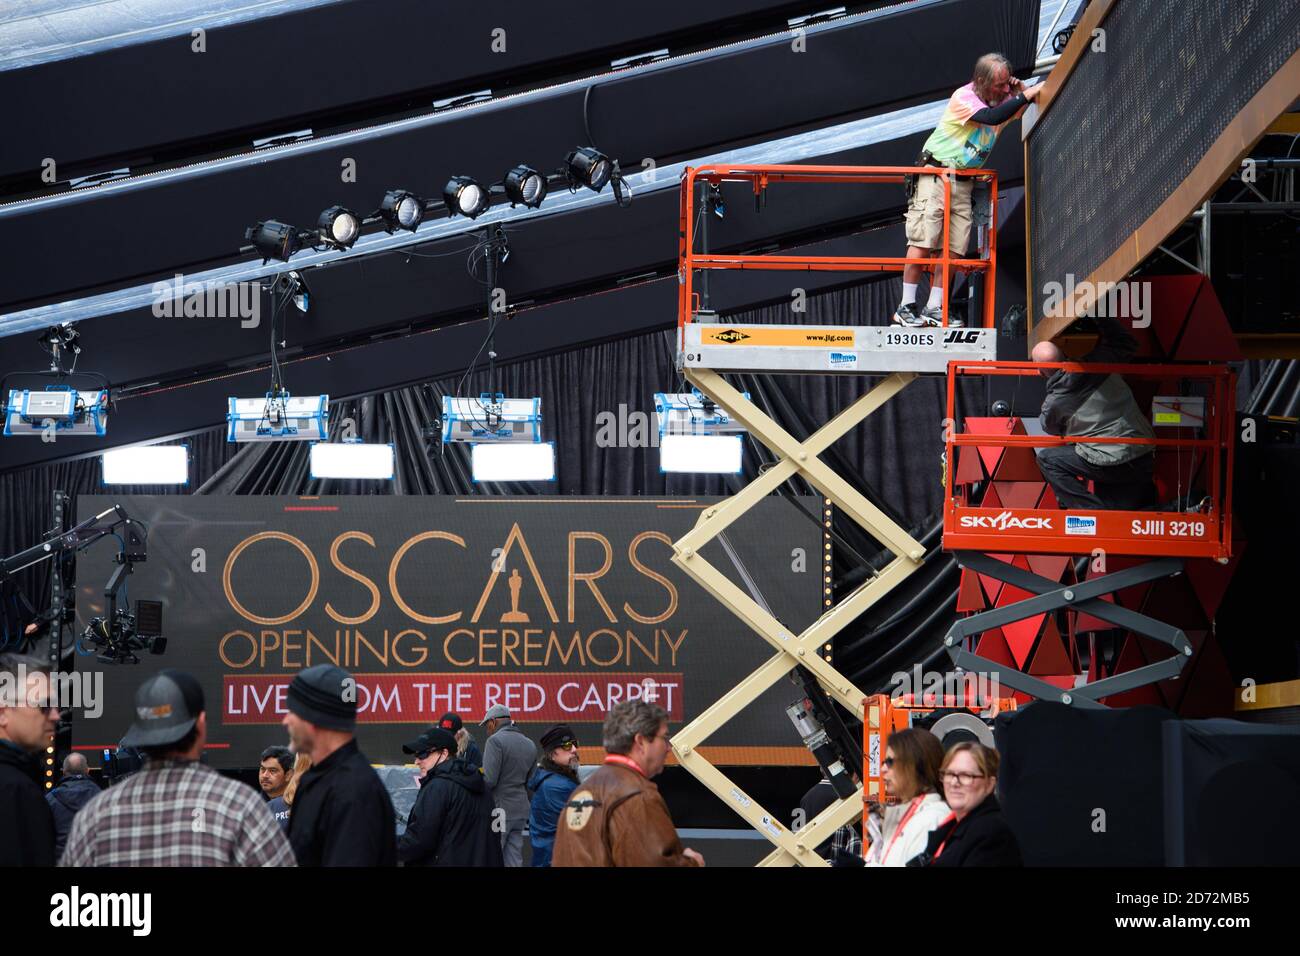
<point>67,410</point>
<point>352,460</point>
<point>495,461</point>
<point>491,418</point>
<point>704,454</point>
<point>278,418</point>
<point>147,465</point>
<point>691,413</point>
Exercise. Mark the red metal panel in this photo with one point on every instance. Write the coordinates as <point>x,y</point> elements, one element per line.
<point>970,596</point>
<point>1049,656</point>
<point>1017,494</point>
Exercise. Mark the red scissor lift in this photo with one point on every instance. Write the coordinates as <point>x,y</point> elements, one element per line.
<point>1019,517</point>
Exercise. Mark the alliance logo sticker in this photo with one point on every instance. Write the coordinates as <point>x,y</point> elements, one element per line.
<point>1081,524</point>
<point>844,359</point>
<point>730,335</point>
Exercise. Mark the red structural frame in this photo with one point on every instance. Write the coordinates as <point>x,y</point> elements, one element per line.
<point>762,176</point>
<point>1148,533</point>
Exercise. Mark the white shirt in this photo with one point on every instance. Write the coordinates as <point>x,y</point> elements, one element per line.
<point>892,846</point>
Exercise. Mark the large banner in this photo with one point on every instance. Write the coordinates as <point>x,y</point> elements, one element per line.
<point>558,608</point>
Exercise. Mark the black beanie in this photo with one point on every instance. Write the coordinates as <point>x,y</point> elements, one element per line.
<point>326,696</point>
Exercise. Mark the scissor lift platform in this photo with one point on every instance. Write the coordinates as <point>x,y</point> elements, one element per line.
<point>832,349</point>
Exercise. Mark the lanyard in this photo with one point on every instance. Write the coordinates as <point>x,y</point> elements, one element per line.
<point>916,805</point>
<point>622,761</point>
<point>948,819</point>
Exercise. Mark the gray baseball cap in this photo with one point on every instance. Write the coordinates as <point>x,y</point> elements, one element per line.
<point>495,712</point>
<point>167,706</point>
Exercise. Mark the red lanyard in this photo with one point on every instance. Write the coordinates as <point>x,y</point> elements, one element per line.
<point>946,820</point>
<point>916,805</point>
<point>622,761</point>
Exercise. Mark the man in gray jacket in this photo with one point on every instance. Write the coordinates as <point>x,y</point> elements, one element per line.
<point>508,759</point>
<point>1083,404</point>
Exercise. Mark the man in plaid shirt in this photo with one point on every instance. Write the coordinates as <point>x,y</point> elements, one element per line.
<point>175,811</point>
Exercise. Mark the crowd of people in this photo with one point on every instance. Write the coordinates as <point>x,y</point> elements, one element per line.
<point>323,804</point>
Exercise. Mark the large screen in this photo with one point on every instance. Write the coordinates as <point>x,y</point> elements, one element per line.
<point>556,607</point>
<point>1157,84</point>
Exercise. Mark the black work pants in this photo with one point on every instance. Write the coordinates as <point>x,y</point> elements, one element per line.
<point>1126,486</point>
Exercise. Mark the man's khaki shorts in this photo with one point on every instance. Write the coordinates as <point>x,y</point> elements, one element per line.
<point>925,214</point>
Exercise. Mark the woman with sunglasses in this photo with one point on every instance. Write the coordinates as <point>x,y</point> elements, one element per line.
<point>911,773</point>
<point>976,834</point>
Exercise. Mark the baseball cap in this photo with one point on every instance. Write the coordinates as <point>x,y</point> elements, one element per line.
<point>167,706</point>
<point>495,712</point>
<point>450,721</point>
<point>435,738</point>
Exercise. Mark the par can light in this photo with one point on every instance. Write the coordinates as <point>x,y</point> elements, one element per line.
<point>274,240</point>
<point>339,227</point>
<point>466,196</point>
<point>526,186</point>
<point>402,210</point>
<point>589,167</point>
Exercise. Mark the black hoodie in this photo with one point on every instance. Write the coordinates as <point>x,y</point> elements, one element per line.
<point>451,822</point>
<point>26,827</point>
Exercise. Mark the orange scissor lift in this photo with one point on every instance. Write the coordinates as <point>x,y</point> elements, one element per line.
<point>1019,517</point>
<point>707,348</point>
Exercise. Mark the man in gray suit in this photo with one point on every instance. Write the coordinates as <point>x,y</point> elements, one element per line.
<point>508,759</point>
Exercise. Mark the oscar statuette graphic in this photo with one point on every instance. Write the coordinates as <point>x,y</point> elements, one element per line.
<point>514,615</point>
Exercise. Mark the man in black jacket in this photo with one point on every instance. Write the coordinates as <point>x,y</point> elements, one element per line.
<point>73,792</point>
<point>26,728</point>
<point>342,814</point>
<point>451,822</point>
<point>1093,405</point>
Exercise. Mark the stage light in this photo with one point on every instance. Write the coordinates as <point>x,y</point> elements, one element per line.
<point>278,416</point>
<point>274,240</point>
<point>695,435</point>
<point>494,461</point>
<point>352,460</point>
<point>706,454</point>
<point>402,210</point>
<point>589,167</point>
<point>147,465</point>
<point>491,418</point>
<point>339,227</point>
<point>526,186</point>
<point>57,411</point>
<point>466,196</point>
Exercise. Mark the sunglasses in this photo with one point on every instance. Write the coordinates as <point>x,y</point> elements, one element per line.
<point>569,745</point>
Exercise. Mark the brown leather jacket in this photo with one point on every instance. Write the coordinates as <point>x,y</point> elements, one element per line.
<point>616,817</point>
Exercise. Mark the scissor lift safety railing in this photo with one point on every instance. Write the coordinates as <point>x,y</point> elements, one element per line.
<point>811,349</point>
<point>708,348</point>
<point>974,533</point>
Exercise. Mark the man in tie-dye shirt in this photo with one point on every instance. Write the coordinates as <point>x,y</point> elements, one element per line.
<point>964,138</point>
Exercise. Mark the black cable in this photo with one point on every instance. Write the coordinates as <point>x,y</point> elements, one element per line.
<point>586,125</point>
